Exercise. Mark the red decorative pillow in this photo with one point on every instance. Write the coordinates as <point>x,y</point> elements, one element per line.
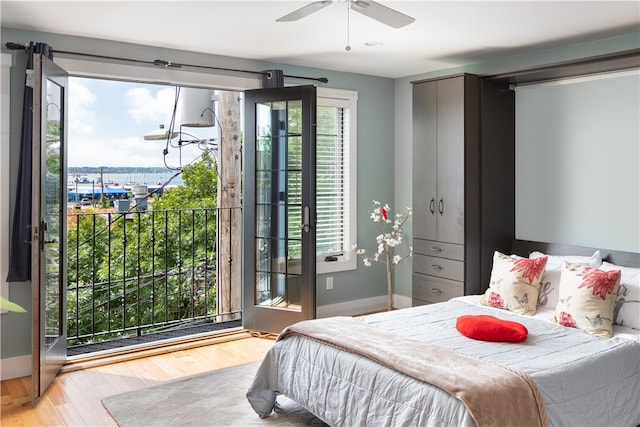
<point>490,328</point>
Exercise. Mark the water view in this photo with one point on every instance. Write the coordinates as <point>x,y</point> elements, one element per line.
<point>89,184</point>
<point>123,177</point>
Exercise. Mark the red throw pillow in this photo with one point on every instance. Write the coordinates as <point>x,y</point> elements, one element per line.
<point>490,328</point>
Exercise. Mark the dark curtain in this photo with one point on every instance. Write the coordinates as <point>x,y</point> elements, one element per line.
<point>20,244</point>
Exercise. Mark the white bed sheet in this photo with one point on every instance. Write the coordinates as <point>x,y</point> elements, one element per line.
<point>585,380</point>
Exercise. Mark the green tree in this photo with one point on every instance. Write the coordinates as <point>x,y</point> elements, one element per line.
<point>146,267</point>
<point>199,189</point>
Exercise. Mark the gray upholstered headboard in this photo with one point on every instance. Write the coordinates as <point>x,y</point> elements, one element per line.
<point>524,247</point>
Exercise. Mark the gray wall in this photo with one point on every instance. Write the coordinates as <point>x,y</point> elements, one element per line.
<point>578,161</point>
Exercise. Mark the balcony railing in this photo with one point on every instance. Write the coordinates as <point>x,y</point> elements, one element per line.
<point>139,273</point>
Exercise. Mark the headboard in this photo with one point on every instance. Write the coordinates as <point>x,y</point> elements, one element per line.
<point>524,247</point>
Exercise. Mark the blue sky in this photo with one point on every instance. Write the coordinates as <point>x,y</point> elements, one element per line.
<point>108,120</point>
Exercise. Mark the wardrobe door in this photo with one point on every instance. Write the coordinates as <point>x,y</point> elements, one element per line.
<point>424,160</point>
<point>450,157</point>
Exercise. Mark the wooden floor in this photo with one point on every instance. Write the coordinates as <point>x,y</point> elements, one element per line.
<point>73,399</point>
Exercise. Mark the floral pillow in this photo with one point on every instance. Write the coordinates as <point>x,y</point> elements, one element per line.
<point>586,299</point>
<point>626,309</point>
<point>514,283</point>
<point>550,283</point>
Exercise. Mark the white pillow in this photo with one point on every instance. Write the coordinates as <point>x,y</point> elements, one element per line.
<point>587,298</point>
<point>550,283</point>
<point>514,283</point>
<point>626,310</point>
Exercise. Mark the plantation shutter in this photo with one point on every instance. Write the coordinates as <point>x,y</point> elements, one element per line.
<point>331,183</point>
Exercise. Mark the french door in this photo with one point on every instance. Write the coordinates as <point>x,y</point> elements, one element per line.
<point>49,225</point>
<point>279,212</point>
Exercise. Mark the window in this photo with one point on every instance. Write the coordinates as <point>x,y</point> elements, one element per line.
<point>336,180</point>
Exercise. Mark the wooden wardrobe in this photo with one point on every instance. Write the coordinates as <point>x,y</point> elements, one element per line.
<point>463,183</point>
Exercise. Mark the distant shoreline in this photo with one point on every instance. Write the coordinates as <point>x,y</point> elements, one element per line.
<point>72,170</point>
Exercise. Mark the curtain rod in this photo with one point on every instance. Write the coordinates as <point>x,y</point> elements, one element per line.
<point>163,63</point>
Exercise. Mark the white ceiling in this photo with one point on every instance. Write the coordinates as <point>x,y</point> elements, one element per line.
<point>445,34</point>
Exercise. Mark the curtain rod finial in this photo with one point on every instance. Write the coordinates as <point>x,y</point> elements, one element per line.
<point>16,46</point>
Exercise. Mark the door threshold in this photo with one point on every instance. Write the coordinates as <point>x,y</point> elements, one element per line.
<point>123,354</point>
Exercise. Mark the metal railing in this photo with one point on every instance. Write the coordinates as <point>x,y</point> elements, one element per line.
<point>138,273</point>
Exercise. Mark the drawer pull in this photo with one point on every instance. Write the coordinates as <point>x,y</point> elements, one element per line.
<point>437,267</point>
<point>436,290</point>
<point>435,249</point>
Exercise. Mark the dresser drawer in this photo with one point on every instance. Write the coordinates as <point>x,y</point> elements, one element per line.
<point>439,249</point>
<point>441,267</point>
<point>435,289</point>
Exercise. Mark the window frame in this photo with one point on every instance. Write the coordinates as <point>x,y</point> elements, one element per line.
<point>346,99</point>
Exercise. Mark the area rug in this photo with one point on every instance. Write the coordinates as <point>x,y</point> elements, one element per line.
<point>216,398</point>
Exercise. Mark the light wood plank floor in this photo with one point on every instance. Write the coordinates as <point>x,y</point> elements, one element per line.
<point>73,399</point>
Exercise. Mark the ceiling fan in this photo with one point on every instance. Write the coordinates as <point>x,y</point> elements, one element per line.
<point>369,8</point>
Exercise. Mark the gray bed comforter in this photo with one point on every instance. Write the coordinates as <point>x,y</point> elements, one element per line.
<point>584,380</point>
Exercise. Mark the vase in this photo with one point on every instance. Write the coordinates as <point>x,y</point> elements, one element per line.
<point>389,287</point>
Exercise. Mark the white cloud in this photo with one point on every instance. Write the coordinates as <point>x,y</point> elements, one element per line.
<point>143,105</point>
<point>81,103</point>
<point>108,120</point>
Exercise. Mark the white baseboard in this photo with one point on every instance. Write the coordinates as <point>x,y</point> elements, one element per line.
<point>15,367</point>
<point>400,301</point>
<point>360,306</point>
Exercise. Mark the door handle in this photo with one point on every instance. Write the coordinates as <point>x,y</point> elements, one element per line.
<point>306,218</point>
<point>432,206</point>
<point>43,231</point>
<point>441,206</point>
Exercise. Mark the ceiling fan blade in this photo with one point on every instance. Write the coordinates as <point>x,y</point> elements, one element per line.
<point>305,11</point>
<point>381,13</point>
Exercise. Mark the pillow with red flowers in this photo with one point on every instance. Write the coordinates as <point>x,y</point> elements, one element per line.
<point>490,328</point>
<point>550,282</point>
<point>514,283</point>
<point>626,311</point>
<point>586,299</point>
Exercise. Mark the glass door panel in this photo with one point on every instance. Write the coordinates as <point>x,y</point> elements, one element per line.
<point>49,191</point>
<point>279,198</point>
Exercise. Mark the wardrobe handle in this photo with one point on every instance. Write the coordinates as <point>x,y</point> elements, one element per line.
<point>432,206</point>
<point>441,206</point>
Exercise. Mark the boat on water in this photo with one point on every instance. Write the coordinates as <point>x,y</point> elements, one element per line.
<point>79,179</point>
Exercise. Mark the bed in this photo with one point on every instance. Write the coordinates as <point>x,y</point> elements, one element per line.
<point>376,369</point>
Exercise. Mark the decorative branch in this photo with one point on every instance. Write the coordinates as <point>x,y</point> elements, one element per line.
<point>388,240</point>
